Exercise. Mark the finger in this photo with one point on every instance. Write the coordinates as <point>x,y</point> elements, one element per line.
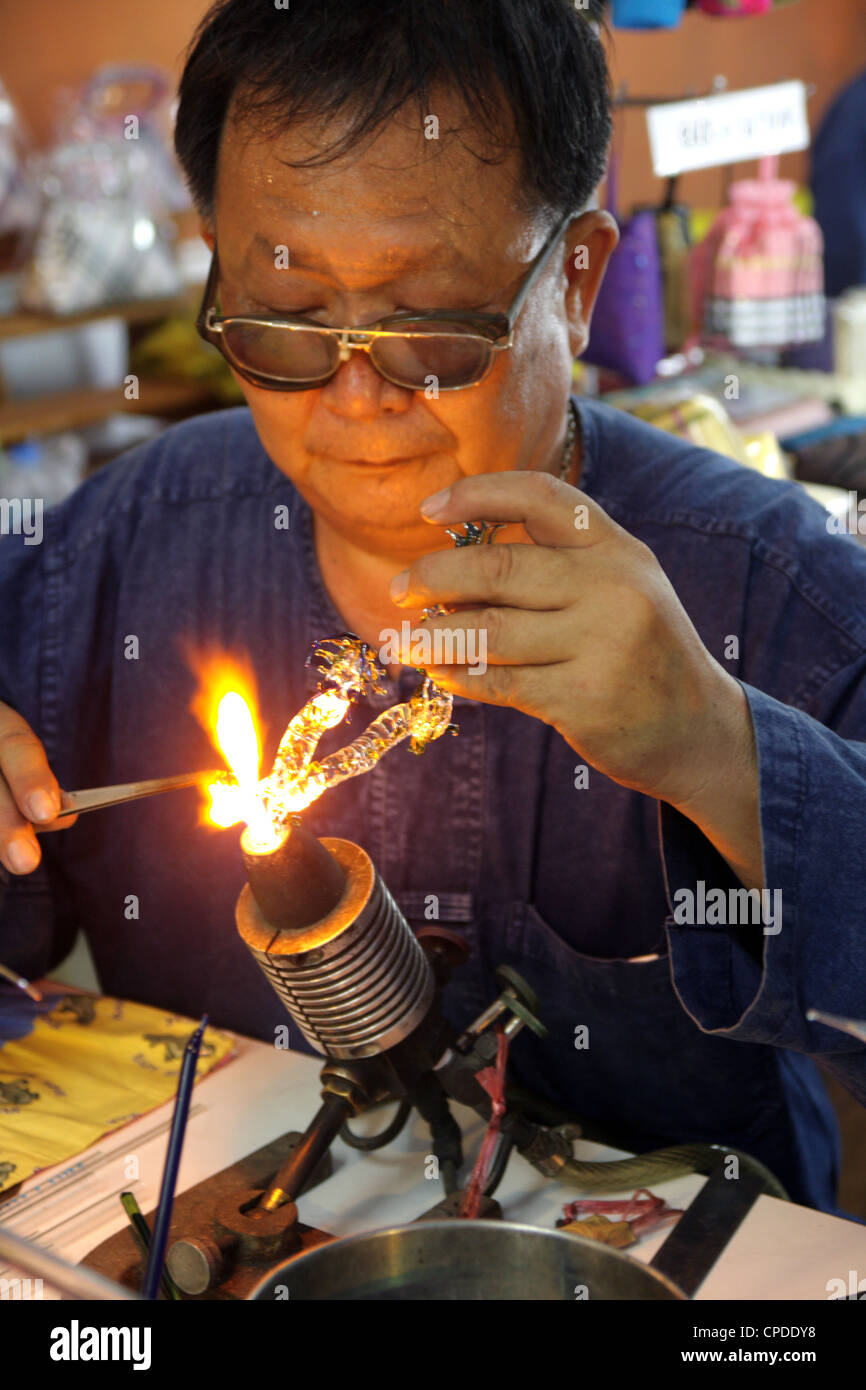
<point>522,687</point>
<point>553,512</point>
<point>24,767</point>
<point>522,576</point>
<point>480,637</point>
<point>62,823</point>
<point>19,848</point>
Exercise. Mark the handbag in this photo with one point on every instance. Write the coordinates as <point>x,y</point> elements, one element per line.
<point>627,333</point>
<point>758,276</point>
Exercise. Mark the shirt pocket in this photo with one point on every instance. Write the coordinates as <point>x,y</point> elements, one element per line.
<point>622,1051</point>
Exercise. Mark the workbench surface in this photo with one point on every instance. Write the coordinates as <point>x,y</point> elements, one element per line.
<point>781,1251</point>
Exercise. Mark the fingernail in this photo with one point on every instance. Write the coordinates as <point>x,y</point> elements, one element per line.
<point>436,502</point>
<point>400,585</point>
<point>22,855</point>
<point>41,805</point>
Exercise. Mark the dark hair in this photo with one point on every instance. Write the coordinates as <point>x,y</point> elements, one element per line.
<point>538,64</point>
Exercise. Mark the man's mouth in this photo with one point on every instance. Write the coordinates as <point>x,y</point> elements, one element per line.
<point>377,462</point>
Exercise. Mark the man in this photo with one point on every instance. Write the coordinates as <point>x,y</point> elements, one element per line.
<point>674,647</point>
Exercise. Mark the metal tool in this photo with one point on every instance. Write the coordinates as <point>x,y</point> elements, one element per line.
<point>162,1220</point>
<point>706,1226</point>
<point>16,978</point>
<point>141,1232</point>
<point>71,1280</point>
<point>854,1026</point>
<point>95,798</point>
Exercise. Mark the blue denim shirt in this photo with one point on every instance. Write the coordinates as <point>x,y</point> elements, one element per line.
<point>176,545</point>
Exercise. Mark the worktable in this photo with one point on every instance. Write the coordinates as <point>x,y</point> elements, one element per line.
<point>781,1251</point>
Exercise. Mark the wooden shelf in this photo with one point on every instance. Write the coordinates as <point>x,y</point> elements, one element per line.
<point>70,410</point>
<point>20,325</point>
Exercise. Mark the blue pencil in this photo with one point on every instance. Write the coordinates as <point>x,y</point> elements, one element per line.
<point>159,1241</point>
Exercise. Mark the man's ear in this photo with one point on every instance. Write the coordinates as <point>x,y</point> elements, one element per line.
<point>592,237</point>
<point>207,233</point>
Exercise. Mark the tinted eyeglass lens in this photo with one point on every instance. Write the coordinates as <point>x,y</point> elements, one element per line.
<point>453,356</point>
<point>278,354</point>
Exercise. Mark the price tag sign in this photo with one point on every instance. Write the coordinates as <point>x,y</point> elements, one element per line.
<point>728,128</point>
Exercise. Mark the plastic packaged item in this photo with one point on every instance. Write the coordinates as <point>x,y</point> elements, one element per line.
<point>765,455</point>
<point>47,468</point>
<point>695,416</point>
<point>702,419</point>
<point>109,185</point>
<point>19,198</point>
<point>849,333</point>
<point>80,358</point>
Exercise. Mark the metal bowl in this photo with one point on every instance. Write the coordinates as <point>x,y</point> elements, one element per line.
<point>462,1260</point>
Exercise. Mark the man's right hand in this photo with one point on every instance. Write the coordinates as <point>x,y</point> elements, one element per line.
<point>29,794</point>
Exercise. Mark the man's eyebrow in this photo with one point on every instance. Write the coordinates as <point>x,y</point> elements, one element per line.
<point>435,259</point>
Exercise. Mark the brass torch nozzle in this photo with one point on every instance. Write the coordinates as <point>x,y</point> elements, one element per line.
<point>297,883</point>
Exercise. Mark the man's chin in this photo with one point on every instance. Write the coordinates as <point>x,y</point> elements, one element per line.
<point>386,530</point>
<point>373,499</point>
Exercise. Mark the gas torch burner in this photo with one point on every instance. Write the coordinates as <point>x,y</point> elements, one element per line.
<point>323,927</point>
<point>365,991</point>
<point>362,988</point>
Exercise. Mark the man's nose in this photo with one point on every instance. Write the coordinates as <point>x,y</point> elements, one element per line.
<point>359,392</point>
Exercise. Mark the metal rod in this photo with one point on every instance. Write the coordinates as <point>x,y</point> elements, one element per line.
<point>141,1231</point>
<point>20,981</point>
<point>95,798</point>
<point>162,1221</point>
<point>320,1134</point>
<point>72,1280</point>
<point>855,1027</point>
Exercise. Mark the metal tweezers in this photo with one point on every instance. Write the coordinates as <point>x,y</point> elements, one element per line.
<point>95,798</point>
<point>855,1027</point>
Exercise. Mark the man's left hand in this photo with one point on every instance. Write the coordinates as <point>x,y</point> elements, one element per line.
<point>584,631</point>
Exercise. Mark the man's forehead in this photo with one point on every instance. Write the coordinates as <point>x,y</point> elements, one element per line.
<point>399,251</point>
<point>398,197</point>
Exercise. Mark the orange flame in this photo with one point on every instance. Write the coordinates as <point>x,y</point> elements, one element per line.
<point>226,705</point>
<point>239,742</point>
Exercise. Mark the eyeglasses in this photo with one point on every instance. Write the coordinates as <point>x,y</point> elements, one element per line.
<point>450,350</point>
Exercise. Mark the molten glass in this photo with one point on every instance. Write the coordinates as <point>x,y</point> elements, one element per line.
<point>297,779</point>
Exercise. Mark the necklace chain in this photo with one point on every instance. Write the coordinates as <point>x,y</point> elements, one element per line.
<point>570,437</point>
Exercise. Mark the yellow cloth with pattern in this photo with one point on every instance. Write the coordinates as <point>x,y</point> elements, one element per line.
<point>88,1067</point>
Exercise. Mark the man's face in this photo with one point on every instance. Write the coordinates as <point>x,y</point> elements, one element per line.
<point>403,223</point>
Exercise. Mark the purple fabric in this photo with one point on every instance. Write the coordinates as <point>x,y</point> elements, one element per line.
<point>628,322</point>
